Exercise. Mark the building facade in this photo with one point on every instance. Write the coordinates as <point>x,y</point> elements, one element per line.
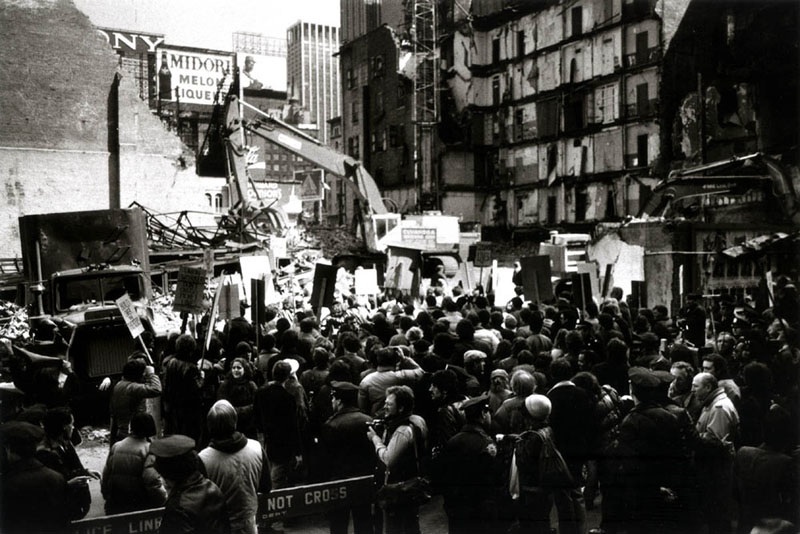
<point>564,107</point>
<point>313,71</point>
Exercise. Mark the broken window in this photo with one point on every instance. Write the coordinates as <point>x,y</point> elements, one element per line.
<point>551,210</point>
<point>547,117</point>
<point>577,20</point>
<point>581,202</point>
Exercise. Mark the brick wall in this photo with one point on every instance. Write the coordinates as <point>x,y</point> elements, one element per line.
<point>55,90</point>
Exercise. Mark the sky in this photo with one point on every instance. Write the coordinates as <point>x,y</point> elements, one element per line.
<point>208,23</point>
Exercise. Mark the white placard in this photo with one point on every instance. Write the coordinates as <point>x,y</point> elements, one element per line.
<point>128,311</point>
<point>367,282</point>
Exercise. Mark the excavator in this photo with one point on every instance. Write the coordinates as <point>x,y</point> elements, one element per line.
<point>736,176</point>
<point>374,219</point>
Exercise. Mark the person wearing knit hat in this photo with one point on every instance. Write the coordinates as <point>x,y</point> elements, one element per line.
<point>499,390</point>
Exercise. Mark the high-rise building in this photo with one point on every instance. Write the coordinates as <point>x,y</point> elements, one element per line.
<point>313,71</point>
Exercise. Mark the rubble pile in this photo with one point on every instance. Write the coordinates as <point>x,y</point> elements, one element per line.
<point>333,240</point>
<point>14,322</point>
<point>165,319</point>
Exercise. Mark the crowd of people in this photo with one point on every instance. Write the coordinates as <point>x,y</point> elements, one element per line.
<point>682,422</point>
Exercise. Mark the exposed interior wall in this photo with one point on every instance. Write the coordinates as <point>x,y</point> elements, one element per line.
<point>61,106</point>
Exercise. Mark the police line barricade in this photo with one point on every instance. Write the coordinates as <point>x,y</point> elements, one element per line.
<point>274,506</point>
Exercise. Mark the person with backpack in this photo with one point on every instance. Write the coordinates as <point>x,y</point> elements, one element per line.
<point>400,445</point>
<point>540,469</point>
<point>448,418</point>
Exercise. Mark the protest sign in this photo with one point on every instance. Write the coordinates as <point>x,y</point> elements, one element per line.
<point>190,290</point>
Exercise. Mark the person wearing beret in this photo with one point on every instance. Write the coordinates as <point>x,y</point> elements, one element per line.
<point>470,474</point>
<point>194,503</point>
<point>348,453</point>
<point>33,498</point>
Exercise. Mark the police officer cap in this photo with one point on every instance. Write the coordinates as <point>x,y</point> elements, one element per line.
<point>538,406</point>
<point>472,355</point>
<point>340,386</point>
<point>477,403</point>
<point>648,379</point>
<point>171,446</point>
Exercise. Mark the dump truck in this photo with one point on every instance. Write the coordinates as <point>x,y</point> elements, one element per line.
<point>76,265</point>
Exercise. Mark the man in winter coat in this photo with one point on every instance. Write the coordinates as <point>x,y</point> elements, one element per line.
<point>650,449</point>
<point>471,474</point>
<point>237,465</point>
<point>33,498</point>
<point>574,428</point>
<point>194,504</point>
<point>130,481</point>
<point>535,497</point>
<point>718,427</point>
<point>348,454</point>
<point>139,382</point>
<point>183,384</point>
<point>448,418</point>
<point>276,414</point>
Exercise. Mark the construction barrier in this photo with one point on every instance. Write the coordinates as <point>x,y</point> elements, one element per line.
<point>274,506</point>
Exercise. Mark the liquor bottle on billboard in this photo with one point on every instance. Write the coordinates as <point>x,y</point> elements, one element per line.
<point>164,79</point>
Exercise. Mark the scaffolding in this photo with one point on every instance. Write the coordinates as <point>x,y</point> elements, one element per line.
<point>425,112</point>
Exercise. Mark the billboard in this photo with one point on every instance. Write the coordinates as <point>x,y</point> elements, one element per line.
<point>129,42</point>
<point>261,72</point>
<point>192,75</point>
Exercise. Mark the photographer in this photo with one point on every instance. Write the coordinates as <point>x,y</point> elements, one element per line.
<point>399,450</point>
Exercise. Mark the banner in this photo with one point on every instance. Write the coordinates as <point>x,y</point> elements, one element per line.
<point>132,320</point>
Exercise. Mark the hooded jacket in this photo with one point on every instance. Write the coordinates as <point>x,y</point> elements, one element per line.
<point>239,467</point>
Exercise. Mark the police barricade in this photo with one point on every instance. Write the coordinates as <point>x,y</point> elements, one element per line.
<point>274,506</point>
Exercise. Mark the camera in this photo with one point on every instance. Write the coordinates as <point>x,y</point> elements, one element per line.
<point>507,438</point>
<point>377,425</point>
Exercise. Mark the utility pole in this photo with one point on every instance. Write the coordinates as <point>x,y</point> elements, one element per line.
<point>425,112</point>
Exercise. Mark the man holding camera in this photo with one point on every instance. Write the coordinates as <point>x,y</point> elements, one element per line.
<point>399,450</point>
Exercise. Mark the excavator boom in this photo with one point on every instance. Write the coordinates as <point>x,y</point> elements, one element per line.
<point>297,142</point>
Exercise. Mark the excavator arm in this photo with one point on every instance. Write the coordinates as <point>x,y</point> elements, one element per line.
<point>375,219</point>
<point>735,176</point>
